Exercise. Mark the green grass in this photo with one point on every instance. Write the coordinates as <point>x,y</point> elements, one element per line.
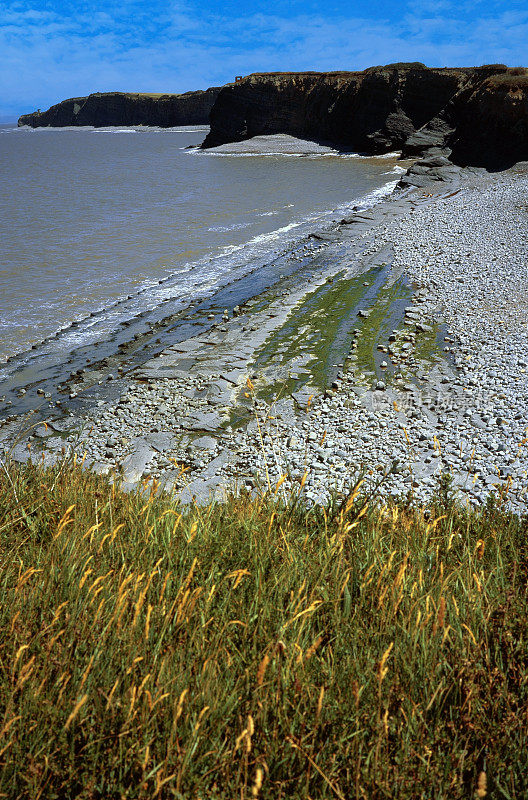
<point>256,649</point>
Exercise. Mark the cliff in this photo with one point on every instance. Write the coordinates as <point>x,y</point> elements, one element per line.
<point>120,108</point>
<point>476,115</point>
<point>371,111</point>
<point>484,125</point>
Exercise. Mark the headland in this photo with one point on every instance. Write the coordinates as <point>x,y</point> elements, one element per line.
<point>103,109</point>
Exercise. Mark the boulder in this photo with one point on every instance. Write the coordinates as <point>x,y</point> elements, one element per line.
<point>136,462</point>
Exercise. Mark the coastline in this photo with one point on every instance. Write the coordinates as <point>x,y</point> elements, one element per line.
<point>186,407</point>
<point>464,415</point>
<point>163,249</point>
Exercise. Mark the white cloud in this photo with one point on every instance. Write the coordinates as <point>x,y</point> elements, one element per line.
<point>47,56</point>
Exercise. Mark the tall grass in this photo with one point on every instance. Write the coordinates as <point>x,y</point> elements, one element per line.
<point>256,649</point>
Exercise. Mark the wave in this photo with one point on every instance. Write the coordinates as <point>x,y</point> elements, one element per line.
<point>236,226</point>
<point>300,154</point>
<point>396,170</point>
<point>120,130</point>
<point>276,154</point>
<point>210,273</point>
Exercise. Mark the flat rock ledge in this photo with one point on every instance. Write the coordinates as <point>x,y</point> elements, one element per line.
<point>193,418</point>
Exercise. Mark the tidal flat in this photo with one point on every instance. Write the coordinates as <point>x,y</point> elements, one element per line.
<point>390,346</point>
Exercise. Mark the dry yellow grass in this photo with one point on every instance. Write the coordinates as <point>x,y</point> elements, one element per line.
<point>257,649</point>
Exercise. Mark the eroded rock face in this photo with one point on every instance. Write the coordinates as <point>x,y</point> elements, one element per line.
<point>120,108</point>
<point>478,116</point>
<point>485,124</point>
<point>491,122</point>
<point>372,111</point>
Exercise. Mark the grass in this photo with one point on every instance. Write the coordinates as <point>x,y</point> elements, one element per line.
<point>256,648</point>
<point>514,79</point>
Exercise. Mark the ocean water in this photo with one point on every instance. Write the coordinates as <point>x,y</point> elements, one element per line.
<point>119,220</point>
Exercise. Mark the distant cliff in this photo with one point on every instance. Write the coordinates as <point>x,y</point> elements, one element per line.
<point>477,114</point>
<point>120,108</point>
<point>370,111</point>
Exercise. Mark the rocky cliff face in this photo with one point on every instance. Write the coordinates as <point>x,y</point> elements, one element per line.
<point>371,111</point>
<point>485,124</point>
<point>477,116</point>
<point>119,108</point>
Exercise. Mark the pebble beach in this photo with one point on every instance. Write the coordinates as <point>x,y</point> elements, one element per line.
<point>445,390</point>
<point>468,254</point>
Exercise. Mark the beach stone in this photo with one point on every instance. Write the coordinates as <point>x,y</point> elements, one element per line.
<point>233,376</point>
<point>160,441</point>
<point>303,395</point>
<point>200,491</point>
<point>136,462</point>
<point>43,431</point>
<point>204,443</point>
<point>198,420</point>
<point>215,465</point>
<point>22,454</point>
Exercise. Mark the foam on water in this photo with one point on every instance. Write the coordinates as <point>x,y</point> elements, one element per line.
<point>210,274</point>
<point>237,226</point>
<point>119,130</point>
<point>231,254</point>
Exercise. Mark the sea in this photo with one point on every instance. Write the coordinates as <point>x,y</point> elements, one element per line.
<point>102,224</point>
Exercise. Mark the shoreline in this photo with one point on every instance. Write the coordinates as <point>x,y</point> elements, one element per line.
<point>186,405</point>
<point>147,302</point>
<point>465,416</point>
<point>219,260</point>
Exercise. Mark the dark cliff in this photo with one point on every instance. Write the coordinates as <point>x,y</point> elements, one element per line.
<point>477,114</point>
<point>120,108</point>
<point>485,124</point>
<point>369,111</point>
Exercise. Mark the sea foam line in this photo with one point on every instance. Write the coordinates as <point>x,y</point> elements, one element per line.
<point>87,329</point>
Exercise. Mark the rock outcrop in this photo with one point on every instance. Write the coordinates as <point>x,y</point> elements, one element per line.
<point>370,111</point>
<point>485,124</point>
<point>120,108</point>
<point>476,116</point>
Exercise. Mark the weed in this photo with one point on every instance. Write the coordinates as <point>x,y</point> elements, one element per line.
<point>257,648</point>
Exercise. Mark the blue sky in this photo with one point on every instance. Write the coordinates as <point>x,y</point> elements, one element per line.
<point>50,50</point>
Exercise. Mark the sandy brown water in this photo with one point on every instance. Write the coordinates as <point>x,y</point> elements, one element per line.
<point>89,217</point>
